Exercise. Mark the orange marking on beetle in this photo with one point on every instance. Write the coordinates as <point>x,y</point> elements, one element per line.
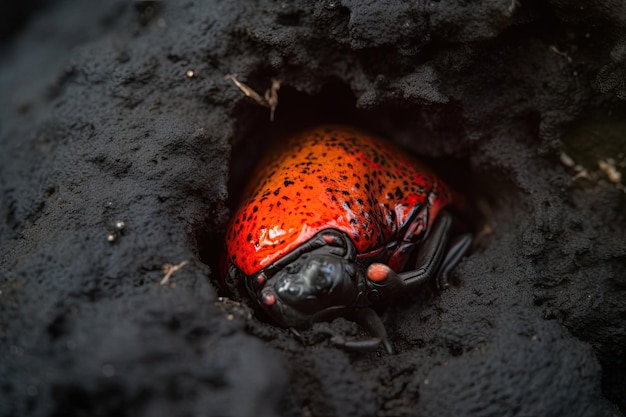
<point>268,298</point>
<point>378,272</point>
<point>329,239</point>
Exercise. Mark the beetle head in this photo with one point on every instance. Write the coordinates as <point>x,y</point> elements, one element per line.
<point>315,283</point>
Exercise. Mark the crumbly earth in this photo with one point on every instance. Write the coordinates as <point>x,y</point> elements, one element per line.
<point>122,149</point>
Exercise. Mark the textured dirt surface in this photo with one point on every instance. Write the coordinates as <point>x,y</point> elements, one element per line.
<point>101,123</point>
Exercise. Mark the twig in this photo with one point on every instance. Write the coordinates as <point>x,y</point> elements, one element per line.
<point>169,269</point>
<point>270,98</point>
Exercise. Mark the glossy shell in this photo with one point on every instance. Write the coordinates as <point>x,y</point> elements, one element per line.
<point>331,177</point>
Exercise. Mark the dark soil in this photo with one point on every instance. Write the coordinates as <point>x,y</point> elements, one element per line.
<point>100,124</point>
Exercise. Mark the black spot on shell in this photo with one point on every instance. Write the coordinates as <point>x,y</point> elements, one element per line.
<point>287,183</point>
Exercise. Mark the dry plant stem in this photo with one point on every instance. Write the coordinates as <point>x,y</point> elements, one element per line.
<point>270,98</point>
<point>169,269</point>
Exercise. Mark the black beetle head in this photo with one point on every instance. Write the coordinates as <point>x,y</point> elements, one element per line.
<point>312,285</point>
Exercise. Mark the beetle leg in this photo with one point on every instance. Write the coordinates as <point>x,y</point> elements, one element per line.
<point>459,247</point>
<point>431,253</point>
<point>366,345</point>
<point>435,259</point>
<point>370,322</point>
<point>387,284</point>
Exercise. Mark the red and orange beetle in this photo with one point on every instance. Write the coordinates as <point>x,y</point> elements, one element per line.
<point>328,224</point>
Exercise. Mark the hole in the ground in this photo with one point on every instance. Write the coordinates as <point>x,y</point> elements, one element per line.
<point>432,134</point>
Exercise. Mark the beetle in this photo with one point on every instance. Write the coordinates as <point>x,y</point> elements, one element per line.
<point>338,222</point>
